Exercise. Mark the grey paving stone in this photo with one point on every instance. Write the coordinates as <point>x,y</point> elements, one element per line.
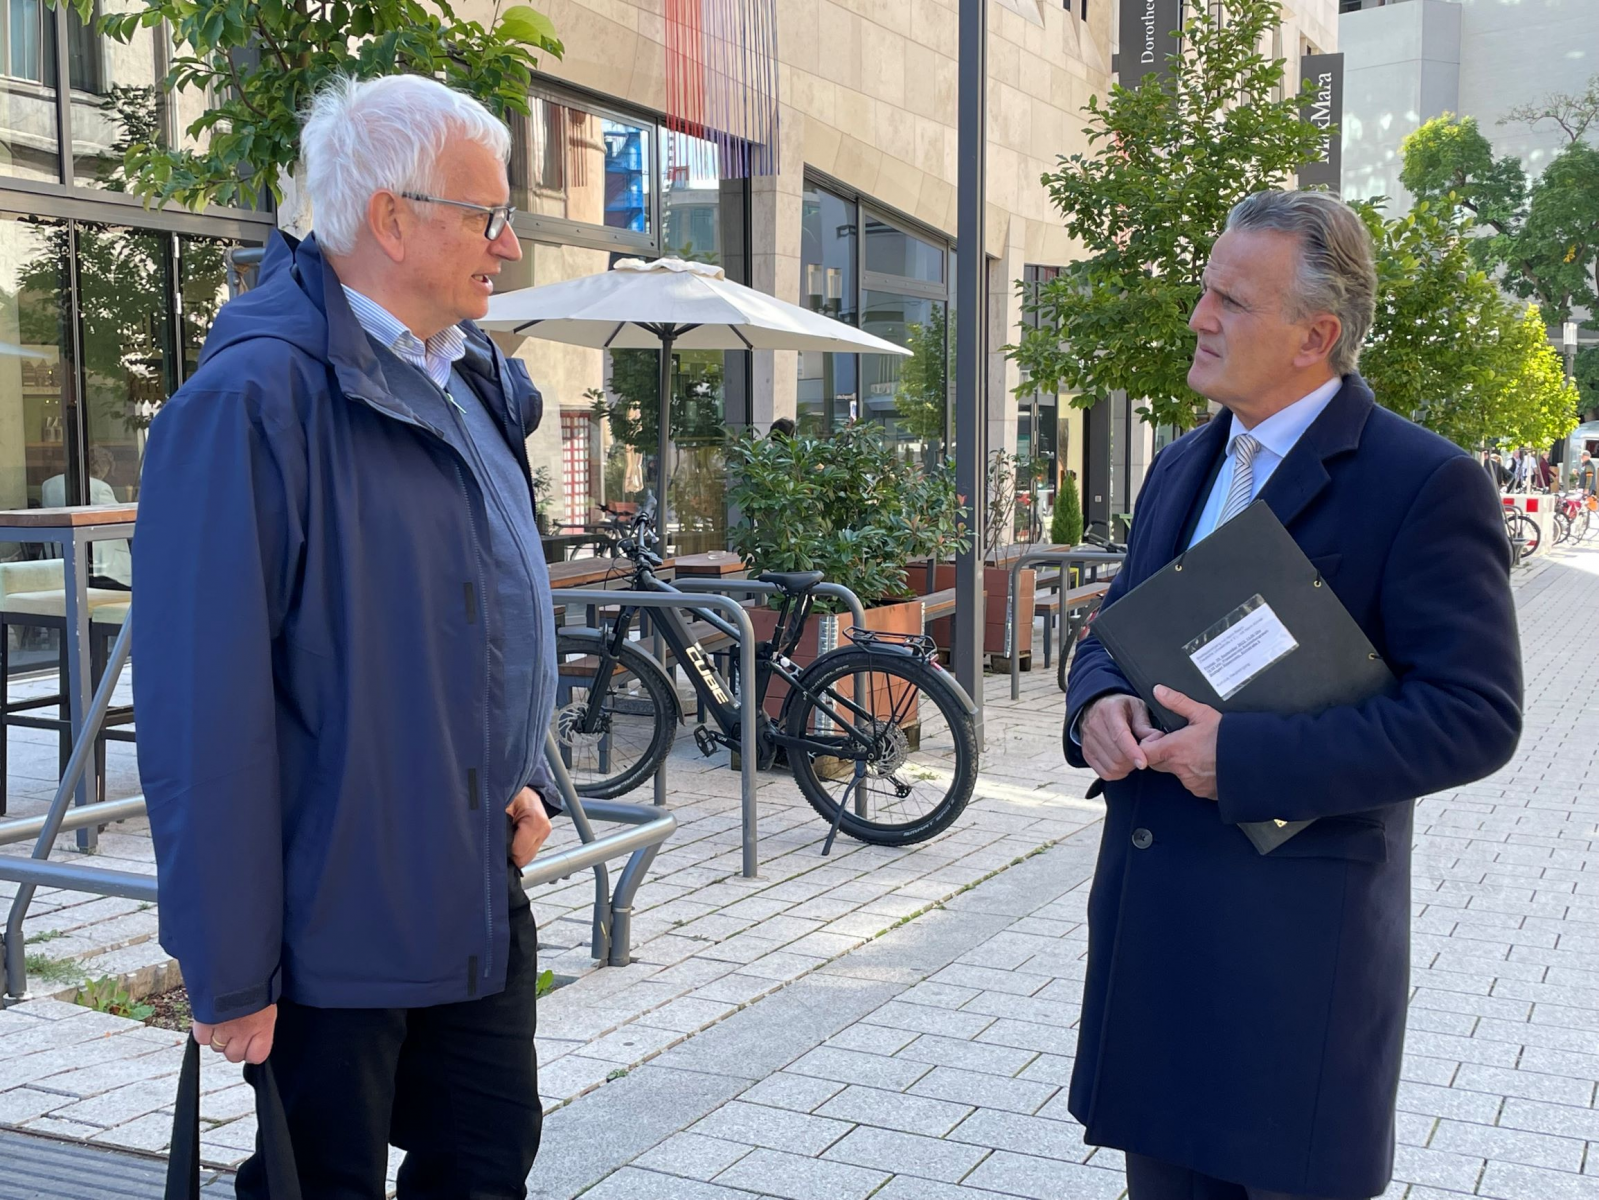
<point>852,1066</point>
<point>631,1183</point>
<point>1437,1168</point>
<point>984,1091</point>
<point>771,1172</point>
<point>1024,1135</point>
<point>894,1110</point>
<point>1050,1068</point>
<point>907,1154</point>
<point>1045,1178</point>
<point>1456,1103</point>
<point>1512,1181</point>
<point>873,1039</point>
<point>773,1128</point>
<point>1530,1085</point>
<point>801,1093</point>
<point>1509,1145</point>
<point>692,1155</point>
<point>1029,1035</point>
<point>909,1187</point>
<point>968,1055</point>
<point>922,1018</point>
<point>1561,1120</point>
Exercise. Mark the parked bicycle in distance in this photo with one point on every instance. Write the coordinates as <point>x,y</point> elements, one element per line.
<point>878,736</point>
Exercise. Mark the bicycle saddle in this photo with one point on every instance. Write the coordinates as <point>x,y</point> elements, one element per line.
<point>795,583</point>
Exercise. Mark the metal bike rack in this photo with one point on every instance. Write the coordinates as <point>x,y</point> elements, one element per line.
<point>1066,559</point>
<point>746,671</point>
<point>612,909</point>
<point>755,587</point>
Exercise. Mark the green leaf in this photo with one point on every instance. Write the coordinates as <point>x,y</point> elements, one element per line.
<point>527,25</point>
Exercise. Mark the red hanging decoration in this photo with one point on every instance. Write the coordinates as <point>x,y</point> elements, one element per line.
<point>721,80</point>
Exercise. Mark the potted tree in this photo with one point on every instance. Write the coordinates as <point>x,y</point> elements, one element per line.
<point>849,507</point>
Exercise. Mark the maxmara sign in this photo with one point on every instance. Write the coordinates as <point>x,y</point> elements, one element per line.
<point>1325,110</point>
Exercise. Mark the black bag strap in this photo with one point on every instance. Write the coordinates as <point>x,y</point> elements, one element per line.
<point>183,1165</point>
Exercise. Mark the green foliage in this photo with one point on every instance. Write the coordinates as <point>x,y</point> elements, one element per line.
<point>634,415</point>
<point>1066,525</point>
<point>847,506</point>
<point>1586,369</point>
<point>1448,350</point>
<point>544,985</point>
<point>52,970</point>
<point>260,61</point>
<point>1543,238</point>
<point>1171,158</point>
<point>922,399</point>
<point>107,995</point>
<point>49,935</point>
<point>1010,479</point>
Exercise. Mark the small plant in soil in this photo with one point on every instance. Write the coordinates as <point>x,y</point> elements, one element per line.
<point>107,995</point>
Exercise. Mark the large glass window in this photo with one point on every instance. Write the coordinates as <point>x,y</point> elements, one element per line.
<point>30,145</point>
<point>608,401</point>
<point>116,97</point>
<point>829,388</point>
<point>865,270</point>
<point>577,165</point>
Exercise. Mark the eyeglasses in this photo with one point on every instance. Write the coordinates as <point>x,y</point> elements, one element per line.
<point>499,216</point>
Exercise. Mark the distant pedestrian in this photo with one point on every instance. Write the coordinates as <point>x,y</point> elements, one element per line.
<point>1588,475</point>
<point>782,427</point>
<point>1243,1015</point>
<point>349,666</point>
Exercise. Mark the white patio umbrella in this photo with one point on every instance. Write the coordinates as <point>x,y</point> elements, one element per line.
<point>670,304</point>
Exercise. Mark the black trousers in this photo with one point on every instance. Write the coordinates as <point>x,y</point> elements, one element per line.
<point>454,1086</point>
<point>1151,1179</point>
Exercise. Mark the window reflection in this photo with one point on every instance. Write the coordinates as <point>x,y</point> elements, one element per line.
<point>116,97</point>
<point>580,166</point>
<point>828,393</point>
<point>29,142</point>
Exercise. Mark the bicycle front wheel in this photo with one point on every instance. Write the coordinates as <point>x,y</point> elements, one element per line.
<point>632,732</point>
<point>899,724</point>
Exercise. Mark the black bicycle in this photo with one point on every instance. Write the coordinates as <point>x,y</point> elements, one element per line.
<point>878,736</point>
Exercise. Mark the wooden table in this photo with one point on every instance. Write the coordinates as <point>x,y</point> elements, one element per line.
<point>714,564</point>
<point>73,529</point>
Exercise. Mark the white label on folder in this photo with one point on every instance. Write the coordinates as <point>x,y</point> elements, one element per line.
<point>1240,646</point>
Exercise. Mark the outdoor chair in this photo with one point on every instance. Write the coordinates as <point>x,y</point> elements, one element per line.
<point>33,596</point>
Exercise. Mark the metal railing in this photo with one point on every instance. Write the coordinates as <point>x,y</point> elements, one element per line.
<point>1066,560</point>
<point>613,908</point>
<point>745,633</point>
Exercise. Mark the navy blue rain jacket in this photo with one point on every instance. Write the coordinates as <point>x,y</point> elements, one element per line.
<point>310,653</point>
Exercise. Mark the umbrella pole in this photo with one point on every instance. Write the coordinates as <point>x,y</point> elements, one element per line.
<point>663,412</point>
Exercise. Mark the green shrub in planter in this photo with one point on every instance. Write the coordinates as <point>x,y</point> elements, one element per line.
<point>847,506</point>
<point>1066,526</point>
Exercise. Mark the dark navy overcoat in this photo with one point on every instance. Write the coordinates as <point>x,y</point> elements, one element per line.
<point>1244,1015</point>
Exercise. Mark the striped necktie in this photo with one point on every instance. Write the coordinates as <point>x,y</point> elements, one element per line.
<point>1243,485</point>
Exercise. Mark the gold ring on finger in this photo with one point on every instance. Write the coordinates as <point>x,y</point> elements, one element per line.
<point>216,1045</point>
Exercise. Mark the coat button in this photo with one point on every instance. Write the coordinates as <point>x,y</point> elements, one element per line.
<point>1143,839</point>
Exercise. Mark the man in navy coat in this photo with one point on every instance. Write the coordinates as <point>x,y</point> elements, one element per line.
<point>1244,1015</point>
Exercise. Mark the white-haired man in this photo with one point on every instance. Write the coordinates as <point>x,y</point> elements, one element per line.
<point>347,665</point>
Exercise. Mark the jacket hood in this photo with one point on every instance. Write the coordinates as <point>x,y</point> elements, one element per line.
<point>288,302</point>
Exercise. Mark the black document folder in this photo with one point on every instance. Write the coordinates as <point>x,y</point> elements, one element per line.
<point>1243,622</point>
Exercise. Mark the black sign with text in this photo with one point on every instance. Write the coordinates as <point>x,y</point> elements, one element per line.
<point>1325,110</point>
<point>1148,33</point>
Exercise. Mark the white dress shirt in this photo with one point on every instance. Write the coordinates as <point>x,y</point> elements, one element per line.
<point>1277,435</point>
<point>433,358</point>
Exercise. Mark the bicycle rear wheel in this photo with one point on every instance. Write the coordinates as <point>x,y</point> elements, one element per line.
<point>1524,529</point>
<point>913,737</point>
<point>638,716</point>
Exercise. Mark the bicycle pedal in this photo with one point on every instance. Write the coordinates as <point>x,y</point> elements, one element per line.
<point>704,740</point>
